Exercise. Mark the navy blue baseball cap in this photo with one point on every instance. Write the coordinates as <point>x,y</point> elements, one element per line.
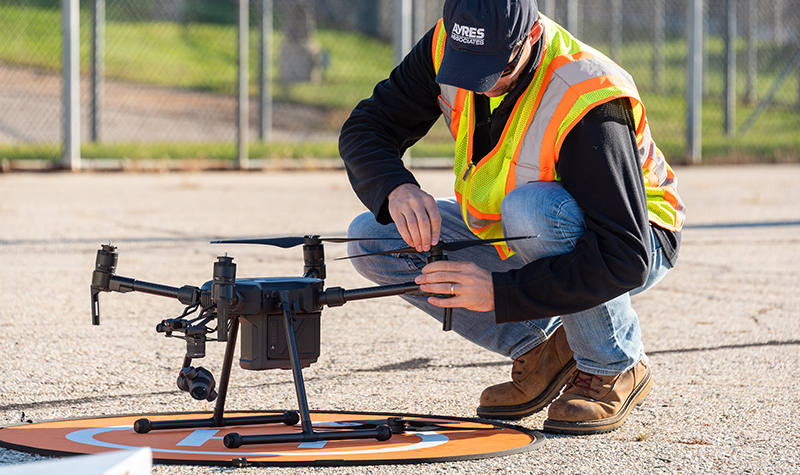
<point>481,34</point>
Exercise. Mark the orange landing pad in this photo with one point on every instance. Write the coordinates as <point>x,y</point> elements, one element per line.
<point>428,439</point>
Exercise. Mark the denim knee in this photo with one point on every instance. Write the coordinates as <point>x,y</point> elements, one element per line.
<point>545,210</point>
<point>362,226</point>
<point>541,204</point>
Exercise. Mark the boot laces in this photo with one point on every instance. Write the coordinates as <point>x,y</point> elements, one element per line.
<point>517,362</point>
<point>585,383</point>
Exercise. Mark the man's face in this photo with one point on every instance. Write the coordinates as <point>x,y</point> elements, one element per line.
<point>521,54</point>
<point>507,82</point>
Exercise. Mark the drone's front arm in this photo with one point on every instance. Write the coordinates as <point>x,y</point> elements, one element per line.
<point>104,280</point>
<point>337,296</point>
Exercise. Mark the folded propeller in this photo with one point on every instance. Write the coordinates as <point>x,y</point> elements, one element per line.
<point>292,241</point>
<point>444,246</point>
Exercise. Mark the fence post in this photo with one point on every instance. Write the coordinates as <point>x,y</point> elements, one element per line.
<point>658,45</point>
<point>265,73</point>
<point>616,30</point>
<point>98,64</point>
<point>730,70</point>
<point>70,17</point>
<point>243,123</point>
<point>572,17</point>
<point>550,9</point>
<point>420,20</point>
<point>705,29</point>
<point>405,26</point>
<point>403,43</point>
<point>694,97</point>
<point>752,47</point>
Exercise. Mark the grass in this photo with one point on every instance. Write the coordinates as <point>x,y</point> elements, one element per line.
<point>202,56</point>
<point>771,139</point>
<point>174,150</point>
<point>195,56</point>
<point>205,150</point>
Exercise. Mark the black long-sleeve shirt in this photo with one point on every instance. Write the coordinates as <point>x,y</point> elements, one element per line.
<point>598,165</point>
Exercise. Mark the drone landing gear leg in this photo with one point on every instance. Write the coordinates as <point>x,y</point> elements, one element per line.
<point>234,440</point>
<point>289,418</point>
<point>447,320</point>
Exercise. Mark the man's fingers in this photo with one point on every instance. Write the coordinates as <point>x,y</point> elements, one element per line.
<point>453,302</point>
<point>434,222</point>
<point>402,228</point>
<point>416,215</point>
<point>441,278</point>
<point>436,226</point>
<point>445,269</point>
<point>443,288</point>
<point>421,209</point>
<point>424,231</point>
<point>411,230</point>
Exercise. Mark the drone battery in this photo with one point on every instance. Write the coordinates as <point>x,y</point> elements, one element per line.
<point>264,346</point>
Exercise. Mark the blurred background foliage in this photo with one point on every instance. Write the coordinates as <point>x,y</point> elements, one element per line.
<point>170,75</point>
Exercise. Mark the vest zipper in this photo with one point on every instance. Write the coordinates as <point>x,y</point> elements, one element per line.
<point>466,173</point>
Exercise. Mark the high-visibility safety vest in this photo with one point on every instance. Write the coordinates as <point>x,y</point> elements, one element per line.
<point>571,79</point>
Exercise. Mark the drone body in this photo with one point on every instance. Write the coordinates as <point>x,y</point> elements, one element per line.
<point>279,319</point>
<point>263,342</point>
<point>280,322</point>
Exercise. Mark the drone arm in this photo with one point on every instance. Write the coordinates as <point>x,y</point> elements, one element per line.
<point>337,296</point>
<point>187,294</point>
<point>105,280</point>
<point>115,283</point>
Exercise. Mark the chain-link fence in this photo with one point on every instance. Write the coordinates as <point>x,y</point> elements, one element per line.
<point>30,78</point>
<point>649,38</point>
<point>166,71</point>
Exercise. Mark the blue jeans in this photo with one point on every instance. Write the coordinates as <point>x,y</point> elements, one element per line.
<point>606,339</point>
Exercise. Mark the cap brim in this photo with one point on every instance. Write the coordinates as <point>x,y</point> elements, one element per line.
<point>473,72</point>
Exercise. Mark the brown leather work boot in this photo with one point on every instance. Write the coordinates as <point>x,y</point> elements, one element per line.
<point>595,404</point>
<point>537,378</point>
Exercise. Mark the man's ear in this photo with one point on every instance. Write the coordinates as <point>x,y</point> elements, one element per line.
<point>536,31</point>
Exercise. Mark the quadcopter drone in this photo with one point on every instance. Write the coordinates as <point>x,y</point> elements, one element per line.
<point>279,318</point>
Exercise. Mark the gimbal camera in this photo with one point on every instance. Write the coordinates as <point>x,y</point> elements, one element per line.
<point>279,319</point>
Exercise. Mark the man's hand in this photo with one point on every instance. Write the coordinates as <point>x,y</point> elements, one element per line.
<point>416,215</point>
<point>472,286</point>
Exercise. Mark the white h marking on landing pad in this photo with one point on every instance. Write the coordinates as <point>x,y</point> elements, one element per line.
<point>199,437</point>
<point>87,437</point>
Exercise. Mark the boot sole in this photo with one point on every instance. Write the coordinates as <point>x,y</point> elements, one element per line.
<point>609,424</point>
<point>512,413</point>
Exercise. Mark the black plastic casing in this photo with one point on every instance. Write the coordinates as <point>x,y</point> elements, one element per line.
<point>263,337</point>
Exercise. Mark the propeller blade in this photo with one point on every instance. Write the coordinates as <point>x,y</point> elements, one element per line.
<point>284,242</point>
<point>445,246</point>
<point>359,239</point>
<point>393,251</point>
<point>292,241</point>
<point>459,245</point>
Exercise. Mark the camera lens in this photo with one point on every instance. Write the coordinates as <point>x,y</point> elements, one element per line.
<point>198,382</point>
<point>199,391</point>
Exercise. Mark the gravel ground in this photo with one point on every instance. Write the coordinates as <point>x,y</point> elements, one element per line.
<point>722,330</point>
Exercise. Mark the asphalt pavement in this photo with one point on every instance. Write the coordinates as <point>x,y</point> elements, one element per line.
<point>722,330</point>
